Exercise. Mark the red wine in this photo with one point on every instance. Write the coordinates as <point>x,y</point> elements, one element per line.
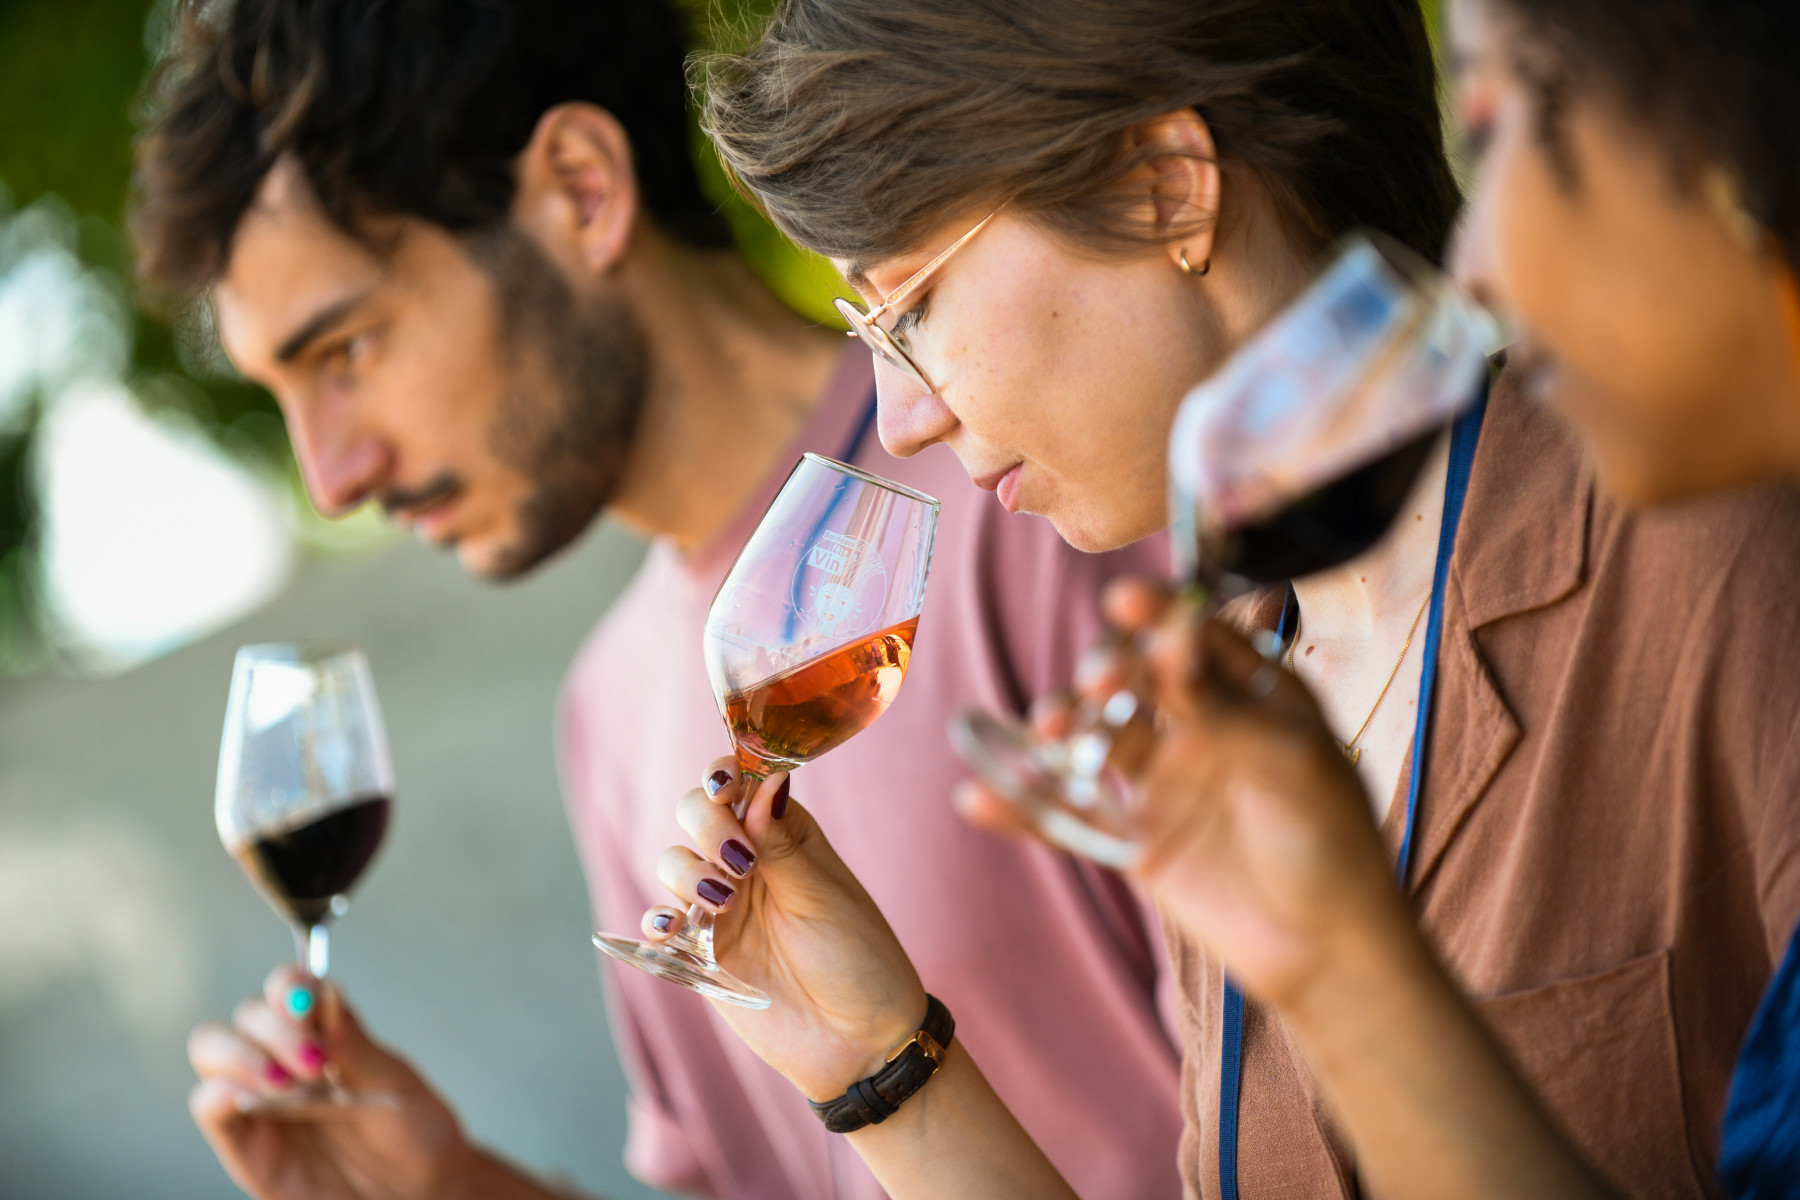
<point>1324,528</point>
<point>301,869</point>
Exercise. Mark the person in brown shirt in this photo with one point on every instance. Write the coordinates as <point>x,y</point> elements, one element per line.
<point>1606,846</point>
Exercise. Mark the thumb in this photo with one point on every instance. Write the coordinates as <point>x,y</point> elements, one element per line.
<point>359,1060</point>
<point>779,826</point>
<point>794,857</point>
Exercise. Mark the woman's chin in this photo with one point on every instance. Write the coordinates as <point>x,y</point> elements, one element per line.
<point>1084,532</point>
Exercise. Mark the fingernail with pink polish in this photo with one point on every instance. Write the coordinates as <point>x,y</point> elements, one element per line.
<point>312,1057</point>
<point>276,1074</point>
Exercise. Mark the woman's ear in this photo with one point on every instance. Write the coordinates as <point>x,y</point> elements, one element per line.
<point>1181,172</point>
<point>577,191</point>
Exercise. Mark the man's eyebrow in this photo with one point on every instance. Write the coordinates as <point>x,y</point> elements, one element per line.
<point>856,276</point>
<point>317,326</point>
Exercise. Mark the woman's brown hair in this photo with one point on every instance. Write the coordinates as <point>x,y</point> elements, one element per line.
<point>862,125</point>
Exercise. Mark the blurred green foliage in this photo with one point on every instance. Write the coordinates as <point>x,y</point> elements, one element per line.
<point>70,72</point>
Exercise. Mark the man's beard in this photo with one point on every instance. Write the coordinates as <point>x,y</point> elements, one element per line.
<point>581,367</point>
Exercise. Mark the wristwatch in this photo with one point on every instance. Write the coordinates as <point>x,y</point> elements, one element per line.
<point>873,1100</point>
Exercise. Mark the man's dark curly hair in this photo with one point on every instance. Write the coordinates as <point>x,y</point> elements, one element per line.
<point>411,108</point>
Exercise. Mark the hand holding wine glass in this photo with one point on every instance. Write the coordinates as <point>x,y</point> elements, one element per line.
<point>800,929</point>
<point>806,645</point>
<point>410,1147</point>
<point>305,785</point>
<point>1292,459</point>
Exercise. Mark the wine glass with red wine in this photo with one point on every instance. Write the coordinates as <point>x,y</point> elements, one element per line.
<point>305,787</point>
<point>1294,457</point>
<point>806,643</point>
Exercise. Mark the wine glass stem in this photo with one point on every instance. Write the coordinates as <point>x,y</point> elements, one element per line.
<point>312,948</point>
<point>696,936</point>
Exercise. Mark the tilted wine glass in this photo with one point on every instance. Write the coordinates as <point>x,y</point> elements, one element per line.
<point>806,644</point>
<point>1293,458</point>
<point>304,792</point>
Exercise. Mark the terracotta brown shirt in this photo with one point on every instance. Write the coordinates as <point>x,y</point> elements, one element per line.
<point>1607,843</point>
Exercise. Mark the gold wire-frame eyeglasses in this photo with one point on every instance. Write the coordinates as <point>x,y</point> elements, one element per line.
<point>891,347</point>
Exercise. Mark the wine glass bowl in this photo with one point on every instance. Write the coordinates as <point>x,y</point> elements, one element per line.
<point>809,637</point>
<point>303,799</point>
<point>1294,457</point>
<point>806,645</point>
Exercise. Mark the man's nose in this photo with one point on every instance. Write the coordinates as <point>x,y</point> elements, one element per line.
<point>342,468</point>
<point>909,418</point>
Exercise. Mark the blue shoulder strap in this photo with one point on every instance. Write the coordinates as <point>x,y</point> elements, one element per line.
<point>1463,438</point>
<point>860,434</point>
<point>1759,1151</point>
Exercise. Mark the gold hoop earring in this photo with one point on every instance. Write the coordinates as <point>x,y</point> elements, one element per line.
<point>1188,267</point>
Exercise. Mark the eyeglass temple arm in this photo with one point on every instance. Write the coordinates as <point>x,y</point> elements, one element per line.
<point>906,289</point>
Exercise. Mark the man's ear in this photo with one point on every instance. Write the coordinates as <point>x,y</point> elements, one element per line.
<point>577,194</point>
<point>1180,176</point>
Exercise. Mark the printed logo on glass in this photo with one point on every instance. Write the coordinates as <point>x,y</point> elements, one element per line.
<point>841,586</point>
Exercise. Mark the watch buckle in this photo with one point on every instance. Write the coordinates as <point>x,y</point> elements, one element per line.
<point>926,1043</point>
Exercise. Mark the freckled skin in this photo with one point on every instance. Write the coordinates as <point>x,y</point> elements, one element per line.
<point>1071,363</point>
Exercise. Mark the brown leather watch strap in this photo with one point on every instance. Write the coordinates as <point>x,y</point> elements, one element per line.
<point>873,1100</point>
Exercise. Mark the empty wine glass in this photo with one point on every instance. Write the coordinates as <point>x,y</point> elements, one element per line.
<point>304,791</point>
<point>1293,458</point>
<point>806,644</point>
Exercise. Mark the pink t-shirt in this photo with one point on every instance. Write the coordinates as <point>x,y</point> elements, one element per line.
<point>1052,967</point>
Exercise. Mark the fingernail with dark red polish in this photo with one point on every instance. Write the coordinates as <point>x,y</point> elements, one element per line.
<point>778,806</point>
<point>275,1074</point>
<point>714,892</point>
<point>311,1057</point>
<point>737,856</point>
<point>717,780</point>
<point>662,921</point>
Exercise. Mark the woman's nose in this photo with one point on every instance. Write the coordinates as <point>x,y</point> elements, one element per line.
<point>909,417</point>
<point>1472,256</point>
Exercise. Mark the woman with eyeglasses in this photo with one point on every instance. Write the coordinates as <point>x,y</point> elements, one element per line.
<point>1061,216</point>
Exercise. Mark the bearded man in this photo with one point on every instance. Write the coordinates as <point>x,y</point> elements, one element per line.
<point>464,246</point>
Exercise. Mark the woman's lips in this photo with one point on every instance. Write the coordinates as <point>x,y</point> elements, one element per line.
<point>1008,488</point>
<point>1004,484</point>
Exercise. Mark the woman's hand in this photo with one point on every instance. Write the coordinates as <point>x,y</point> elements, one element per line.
<point>1256,830</point>
<point>290,1034</point>
<point>798,925</point>
<point>1256,833</point>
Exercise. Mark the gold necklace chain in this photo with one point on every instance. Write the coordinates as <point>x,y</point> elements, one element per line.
<point>1350,749</point>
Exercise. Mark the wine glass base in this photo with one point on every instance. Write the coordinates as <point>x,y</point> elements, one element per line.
<point>314,1102</point>
<point>1081,813</point>
<point>680,967</point>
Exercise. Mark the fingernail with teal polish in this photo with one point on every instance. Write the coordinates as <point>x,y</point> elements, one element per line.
<point>300,1001</point>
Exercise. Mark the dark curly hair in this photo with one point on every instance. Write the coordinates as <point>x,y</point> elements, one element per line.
<point>1716,79</point>
<point>396,108</point>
